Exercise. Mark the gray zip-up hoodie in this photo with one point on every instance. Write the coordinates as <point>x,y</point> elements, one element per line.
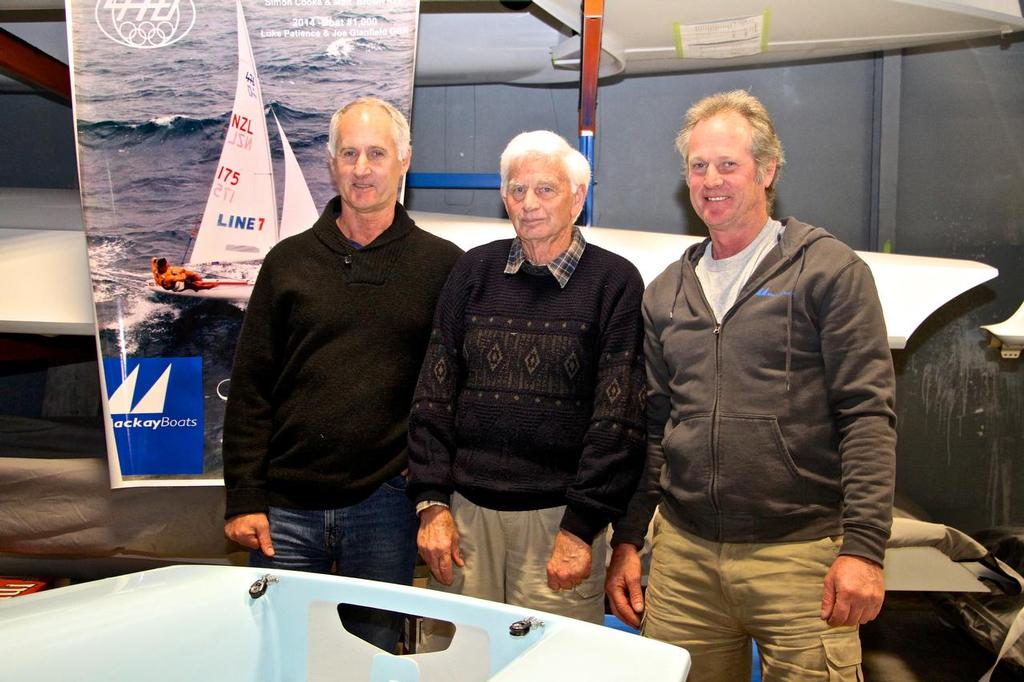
<point>777,424</point>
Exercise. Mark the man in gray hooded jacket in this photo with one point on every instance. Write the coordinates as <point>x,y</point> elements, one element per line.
<point>771,427</point>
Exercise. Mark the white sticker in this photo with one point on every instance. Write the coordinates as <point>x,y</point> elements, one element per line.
<point>720,39</point>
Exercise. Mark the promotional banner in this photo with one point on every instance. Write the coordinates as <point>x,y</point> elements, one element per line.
<point>202,128</point>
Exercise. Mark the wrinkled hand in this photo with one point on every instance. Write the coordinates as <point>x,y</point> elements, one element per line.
<point>438,541</point>
<point>622,584</point>
<point>854,590</point>
<point>250,530</point>
<point>569,563</point>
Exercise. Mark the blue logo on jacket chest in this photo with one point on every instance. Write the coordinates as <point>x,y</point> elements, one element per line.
<point>766,292</point>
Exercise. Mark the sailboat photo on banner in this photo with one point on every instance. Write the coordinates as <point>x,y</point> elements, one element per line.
<point>240,222</point>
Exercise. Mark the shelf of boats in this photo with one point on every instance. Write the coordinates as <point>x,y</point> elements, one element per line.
<point>487,42</point>
<point>911,287</point>
<point>43,258</point>
<point>53,291</point>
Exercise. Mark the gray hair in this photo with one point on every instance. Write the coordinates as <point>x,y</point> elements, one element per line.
<point>399,125</point>
<point>765,145</point>
<point>544,144</point>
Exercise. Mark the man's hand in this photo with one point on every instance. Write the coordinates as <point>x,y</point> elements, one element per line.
<point>622,584</point>
<point>250,530</point>
<point>854,590</point>
<point>438,541</point>
<point>569,563</point>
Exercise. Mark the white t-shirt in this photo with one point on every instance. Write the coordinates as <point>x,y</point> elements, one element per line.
<point>723,279</point>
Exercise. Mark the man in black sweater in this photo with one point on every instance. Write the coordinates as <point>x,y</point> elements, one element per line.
<point>315,438</point>
<point>526,435</point>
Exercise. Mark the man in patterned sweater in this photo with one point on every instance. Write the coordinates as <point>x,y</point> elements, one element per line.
<point>526,435</point>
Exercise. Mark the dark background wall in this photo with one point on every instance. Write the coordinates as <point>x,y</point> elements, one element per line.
<point>921,149</point>
<point>961,194</point>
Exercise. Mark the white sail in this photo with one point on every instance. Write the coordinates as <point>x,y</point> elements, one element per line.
<point>155,398</point>
<point>240,220</point>
<point>299,210</point>
<point>121,400</point>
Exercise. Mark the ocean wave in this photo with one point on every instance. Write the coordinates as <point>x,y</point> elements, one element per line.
<point>111,279</point>
<point>138,320</point>
<point>168,126</point>
<point>371,45</point>
<point>288,113</point>
<point>342,49</point>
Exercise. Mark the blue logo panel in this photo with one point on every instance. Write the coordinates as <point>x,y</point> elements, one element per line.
<point>156,410</point>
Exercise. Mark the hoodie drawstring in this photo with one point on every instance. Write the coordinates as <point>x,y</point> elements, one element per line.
<point>789,314</point>
<point>679,286</point>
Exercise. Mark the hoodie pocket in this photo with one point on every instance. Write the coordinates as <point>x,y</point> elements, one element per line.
<point>756,474</point>
<point>688,451</point>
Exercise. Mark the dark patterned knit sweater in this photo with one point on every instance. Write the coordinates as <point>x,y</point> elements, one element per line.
<point>326,365</point>
<point>531,396</point>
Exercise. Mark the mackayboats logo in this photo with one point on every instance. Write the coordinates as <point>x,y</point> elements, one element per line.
<point>145,24</point>
<point>156,412</point>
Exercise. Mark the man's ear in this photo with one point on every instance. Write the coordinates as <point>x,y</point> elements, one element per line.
<point>407,161</point>
<point>769,174</point>
<point>578,199</point>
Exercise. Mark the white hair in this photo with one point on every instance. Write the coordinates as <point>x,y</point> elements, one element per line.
<point>545,144</point>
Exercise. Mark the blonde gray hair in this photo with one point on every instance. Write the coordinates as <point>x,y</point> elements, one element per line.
<point>765,145</point>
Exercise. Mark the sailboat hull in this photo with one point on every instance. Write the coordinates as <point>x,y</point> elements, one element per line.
<point>224,292</point>
<point>910,287</point>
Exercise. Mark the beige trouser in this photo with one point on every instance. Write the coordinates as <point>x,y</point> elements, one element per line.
<point>711,598</point>
<point>506,556</point>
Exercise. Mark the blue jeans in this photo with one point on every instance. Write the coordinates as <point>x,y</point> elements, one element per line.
<point>374,539</point>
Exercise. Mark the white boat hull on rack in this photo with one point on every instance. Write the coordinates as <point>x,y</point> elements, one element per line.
<point>485,42</point>
<point>478,43</point>
<point>54,260</point>
<point>911,287</point>
<point>1008,335</point>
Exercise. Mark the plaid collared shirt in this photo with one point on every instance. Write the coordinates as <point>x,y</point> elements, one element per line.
<point>561,267</point>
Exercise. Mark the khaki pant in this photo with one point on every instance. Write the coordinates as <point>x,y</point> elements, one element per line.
<point>711,598</point>
<point>506,556</point>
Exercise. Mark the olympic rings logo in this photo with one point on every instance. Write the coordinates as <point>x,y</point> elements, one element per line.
<point>145,24</point>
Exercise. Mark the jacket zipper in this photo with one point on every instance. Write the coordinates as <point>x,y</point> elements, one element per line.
<point>713,436</point>
<point>748,291</point>
<point>714,429</point>
<point>715,417</point>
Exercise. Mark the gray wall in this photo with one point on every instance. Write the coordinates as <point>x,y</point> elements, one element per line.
<point>941,159</point>
<point>37,142</point>
<point>822,110</point>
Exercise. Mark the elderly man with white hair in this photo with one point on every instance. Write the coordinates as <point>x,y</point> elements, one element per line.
<point>526,434</point>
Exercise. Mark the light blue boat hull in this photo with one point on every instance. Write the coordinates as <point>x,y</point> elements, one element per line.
<point>200,623</point>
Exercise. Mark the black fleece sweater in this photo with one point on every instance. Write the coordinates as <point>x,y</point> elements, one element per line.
<point>326,365</point>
